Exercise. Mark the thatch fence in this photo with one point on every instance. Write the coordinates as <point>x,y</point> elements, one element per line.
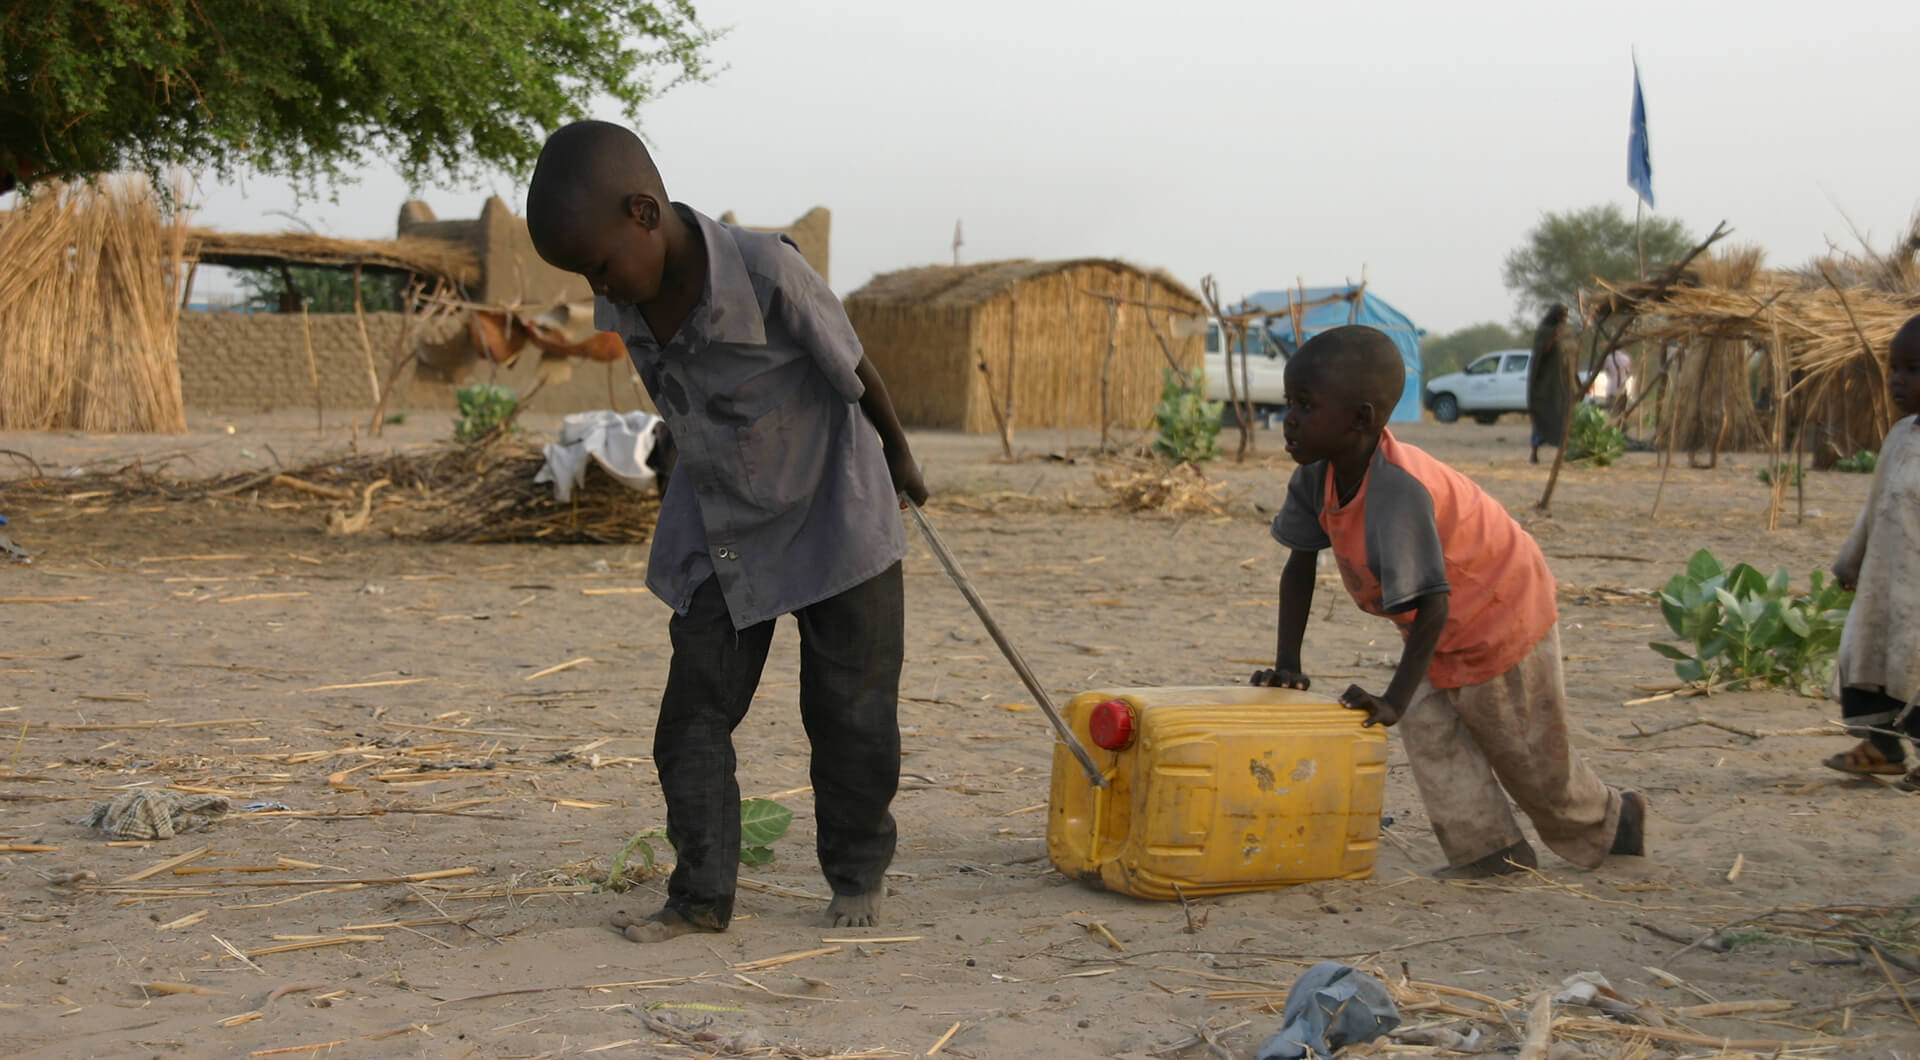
<point>986,347</point>
<point>1753,358</point>
<point>93,278</point>
<point>89,303</point>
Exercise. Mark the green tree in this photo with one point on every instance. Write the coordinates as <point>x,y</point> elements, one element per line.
<point>1440,354</point>
<point>323,290</point>
<point>1565,251</point>
<point>316,88</point>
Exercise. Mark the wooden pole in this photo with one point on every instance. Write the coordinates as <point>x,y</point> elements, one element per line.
<point>1000,415</point>
<point>366,344</point>
<point>1071,414</point>
<point>1627,317</point>
<point>1639,240</point>
<point>1006,403</point>
<point>1673,441</point>
<point>1148,306</point>
<point>1232,331</point>
<point>1106,367</point>
<point>186,287</point>
<point>410,305</point>
<point>313,371</point>
<point>1249,409</point>
<point>1778,436</point>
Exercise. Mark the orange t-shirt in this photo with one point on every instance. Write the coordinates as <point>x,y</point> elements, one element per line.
<point>1417,527</point>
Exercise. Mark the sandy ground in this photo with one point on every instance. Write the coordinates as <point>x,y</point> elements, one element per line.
<point>205,646</point>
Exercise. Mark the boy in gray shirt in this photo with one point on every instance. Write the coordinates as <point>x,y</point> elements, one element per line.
<point>782,502</point>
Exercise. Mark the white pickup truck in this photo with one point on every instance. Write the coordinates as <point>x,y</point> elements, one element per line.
<point>1265,376</point>
<point>1492,384</point>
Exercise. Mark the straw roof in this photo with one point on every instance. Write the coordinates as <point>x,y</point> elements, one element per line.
<point>1832,321</point>
<point>962,285</point>
<point>422,256</point>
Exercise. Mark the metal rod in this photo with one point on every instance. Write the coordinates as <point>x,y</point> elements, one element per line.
<point>1007,649</point>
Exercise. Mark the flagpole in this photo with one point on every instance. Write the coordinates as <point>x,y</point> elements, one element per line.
<point>1639,241</point>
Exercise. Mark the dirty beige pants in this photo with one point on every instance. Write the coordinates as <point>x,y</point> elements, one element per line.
<point>1466,744</point>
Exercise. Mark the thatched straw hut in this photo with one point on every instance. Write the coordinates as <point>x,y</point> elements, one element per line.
<point>1038,342</point>
<point>1738,333</point>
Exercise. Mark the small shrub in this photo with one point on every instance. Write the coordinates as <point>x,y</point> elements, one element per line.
<point>1189,425</point>
<point>395,419</point>
<point>1789,473</point>
<point>761,822</point>
<point>480,409</point>
<point>1860,463</point>
<point>1591,438</point>
<point>1736,624</point>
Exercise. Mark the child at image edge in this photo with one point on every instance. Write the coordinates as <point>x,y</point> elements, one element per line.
<point>783,501</point>
<point>1879,666</point>
<point>1477,695</point>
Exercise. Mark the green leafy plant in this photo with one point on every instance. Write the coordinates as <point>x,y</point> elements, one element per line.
<point>762,821</point>
<point>1860,463</point>
<point>1790,473</point>
<point>1737,625</point>
<point>481,408</point>
<point>1189,424</point>
<point>1592,438</point>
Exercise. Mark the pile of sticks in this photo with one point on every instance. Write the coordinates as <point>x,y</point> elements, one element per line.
<point>484,492</point>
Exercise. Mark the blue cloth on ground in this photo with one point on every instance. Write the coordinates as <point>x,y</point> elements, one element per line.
<point>1329,1008</point>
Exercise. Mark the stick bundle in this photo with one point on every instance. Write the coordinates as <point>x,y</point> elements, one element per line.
<point>477,493</point>
<point>89,310</point>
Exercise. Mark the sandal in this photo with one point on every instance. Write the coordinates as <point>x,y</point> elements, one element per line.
<point>1864,759</point>
<point>1910,782</point>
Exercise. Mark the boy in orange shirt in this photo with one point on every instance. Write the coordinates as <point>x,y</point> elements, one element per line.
<point>1478,693</point>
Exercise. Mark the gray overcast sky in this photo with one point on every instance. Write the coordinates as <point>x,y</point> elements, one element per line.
<point>1261,142</point>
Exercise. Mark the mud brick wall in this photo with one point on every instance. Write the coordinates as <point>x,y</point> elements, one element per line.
<point>257,362</point>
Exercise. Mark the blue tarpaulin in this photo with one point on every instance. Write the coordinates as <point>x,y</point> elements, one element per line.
<point>1331,307</point>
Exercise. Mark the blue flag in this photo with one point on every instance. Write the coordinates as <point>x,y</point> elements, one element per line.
<point>1639,158</point>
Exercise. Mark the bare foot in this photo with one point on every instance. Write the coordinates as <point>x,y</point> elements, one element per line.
<point>1499,863</point>
<point>655,927</point>
<point>855,910</point>
<point>1630,835</point>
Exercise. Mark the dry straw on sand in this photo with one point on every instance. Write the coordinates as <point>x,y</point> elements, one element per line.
<point>483,492</point>
<point>1155,486</point>
<point>89,310</point>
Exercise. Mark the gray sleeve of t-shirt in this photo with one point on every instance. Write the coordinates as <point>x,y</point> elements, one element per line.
<point>818,321</point>
<point>1403,540</point>
<point>1298,524</point>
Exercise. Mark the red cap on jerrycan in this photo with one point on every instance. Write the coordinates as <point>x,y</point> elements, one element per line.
<point>1111,725</point>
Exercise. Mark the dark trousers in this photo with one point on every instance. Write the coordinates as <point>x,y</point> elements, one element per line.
<point>850,651</point>
<point>1865,709</point>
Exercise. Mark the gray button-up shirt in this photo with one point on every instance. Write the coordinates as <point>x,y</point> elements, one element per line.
<point>781,489</point>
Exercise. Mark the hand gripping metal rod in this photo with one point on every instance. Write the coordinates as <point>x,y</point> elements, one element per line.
<point>1007,649</point>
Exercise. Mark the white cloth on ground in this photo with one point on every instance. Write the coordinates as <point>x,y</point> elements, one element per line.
<point>619,442</point>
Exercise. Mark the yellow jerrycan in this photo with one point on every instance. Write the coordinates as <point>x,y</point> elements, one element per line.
<point>1214,790</point>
